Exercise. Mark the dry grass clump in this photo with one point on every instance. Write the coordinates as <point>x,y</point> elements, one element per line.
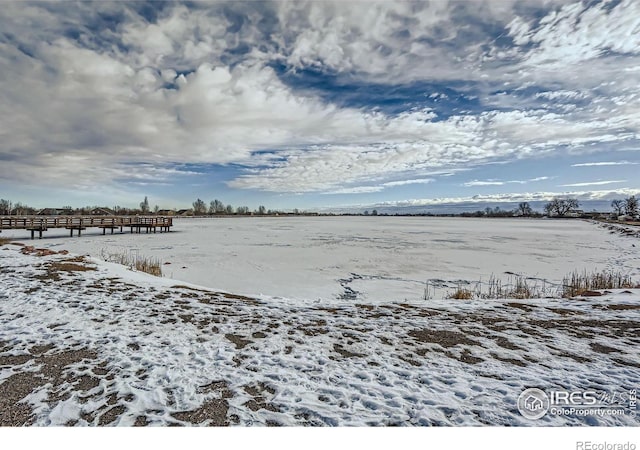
<point>4,241</point>
<point>577,283</point>
<point>462,294</point>
<point>522,288</point>
<point>516,287</point>
<point>151,266</point>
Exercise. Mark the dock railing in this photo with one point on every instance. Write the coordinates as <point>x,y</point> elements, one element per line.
<point>79,223</point>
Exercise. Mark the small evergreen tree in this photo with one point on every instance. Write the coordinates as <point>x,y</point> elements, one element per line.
<point>631,206</point>
<point>144,205</point>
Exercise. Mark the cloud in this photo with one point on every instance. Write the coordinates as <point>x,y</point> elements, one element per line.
<point>91,90</point>
<point>594,183</point>
<point>356,190</point>
<point>501,183</point>
<point>380,187</point>
<point>605,163</point>
<point>406,182</point>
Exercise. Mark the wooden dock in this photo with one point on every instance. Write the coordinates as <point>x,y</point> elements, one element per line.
<point>40,224</point>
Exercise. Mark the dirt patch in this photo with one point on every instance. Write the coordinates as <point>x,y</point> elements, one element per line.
<point>14,360</point>
<point>12,391</point>
<point>111,415</point>
<point>622,307</point>
<point>242,298</point>
<point>346,353</point>
<point>52,367</point>
<point>56,268</point>
<point>213,411</point>
<point>141,421</point>
<point>563,311</point>
<point>565,354</point>
<point>70,267</point>
<point>506,343</point>
<point>258,401</point>
<point>527,308</point>
<point>238,340</point>
<point>444,338</point>
<point>40,349</point>
<point>366,307</point>
<point>467,357</point>
<point>85,383</point>
<point>625,362</point>
<point>314,328</point>
<point>515,362</point>
<point>602,348</point>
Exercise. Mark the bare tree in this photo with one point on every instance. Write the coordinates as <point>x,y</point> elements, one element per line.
<point>229,209</point>
<point>525,209</point>
<point>618,206</point>
<point>561,206</point>
<point>5,207</point>
<point>216,207</point>
<point>199,208</point>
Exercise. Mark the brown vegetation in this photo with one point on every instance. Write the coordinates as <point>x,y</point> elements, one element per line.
<point>580,283</point>
<point>151,266</point>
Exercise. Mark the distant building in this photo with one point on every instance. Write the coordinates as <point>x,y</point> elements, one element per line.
<point>184,212</point>
<point>166,212</point>
<point>55,212</point>
<point>101,212</point>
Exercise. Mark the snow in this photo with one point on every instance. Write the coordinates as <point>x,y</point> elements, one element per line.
<point>176,352</point>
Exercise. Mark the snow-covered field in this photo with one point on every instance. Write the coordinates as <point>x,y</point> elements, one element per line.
<point>88,342</point>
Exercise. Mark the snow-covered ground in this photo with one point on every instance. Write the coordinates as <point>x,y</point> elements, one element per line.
<point>88,342</point>
<point>369,259</point>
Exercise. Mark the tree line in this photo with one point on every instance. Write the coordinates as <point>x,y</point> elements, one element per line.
<point>557,207</point>
<point>217,207</point>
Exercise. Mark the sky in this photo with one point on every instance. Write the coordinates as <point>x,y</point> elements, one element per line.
<point>318,104</point>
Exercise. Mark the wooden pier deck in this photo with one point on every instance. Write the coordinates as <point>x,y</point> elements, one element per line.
<point>43,223</point>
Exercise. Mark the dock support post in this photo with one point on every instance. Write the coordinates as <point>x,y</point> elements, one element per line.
<point>32,231</point>
<point>71,232</point>
<point>40,234</point>
<point>79,231</point>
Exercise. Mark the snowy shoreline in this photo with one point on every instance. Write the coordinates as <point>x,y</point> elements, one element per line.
<point>84,342</point>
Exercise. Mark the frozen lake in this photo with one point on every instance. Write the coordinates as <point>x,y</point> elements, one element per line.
<point>364,259</point>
